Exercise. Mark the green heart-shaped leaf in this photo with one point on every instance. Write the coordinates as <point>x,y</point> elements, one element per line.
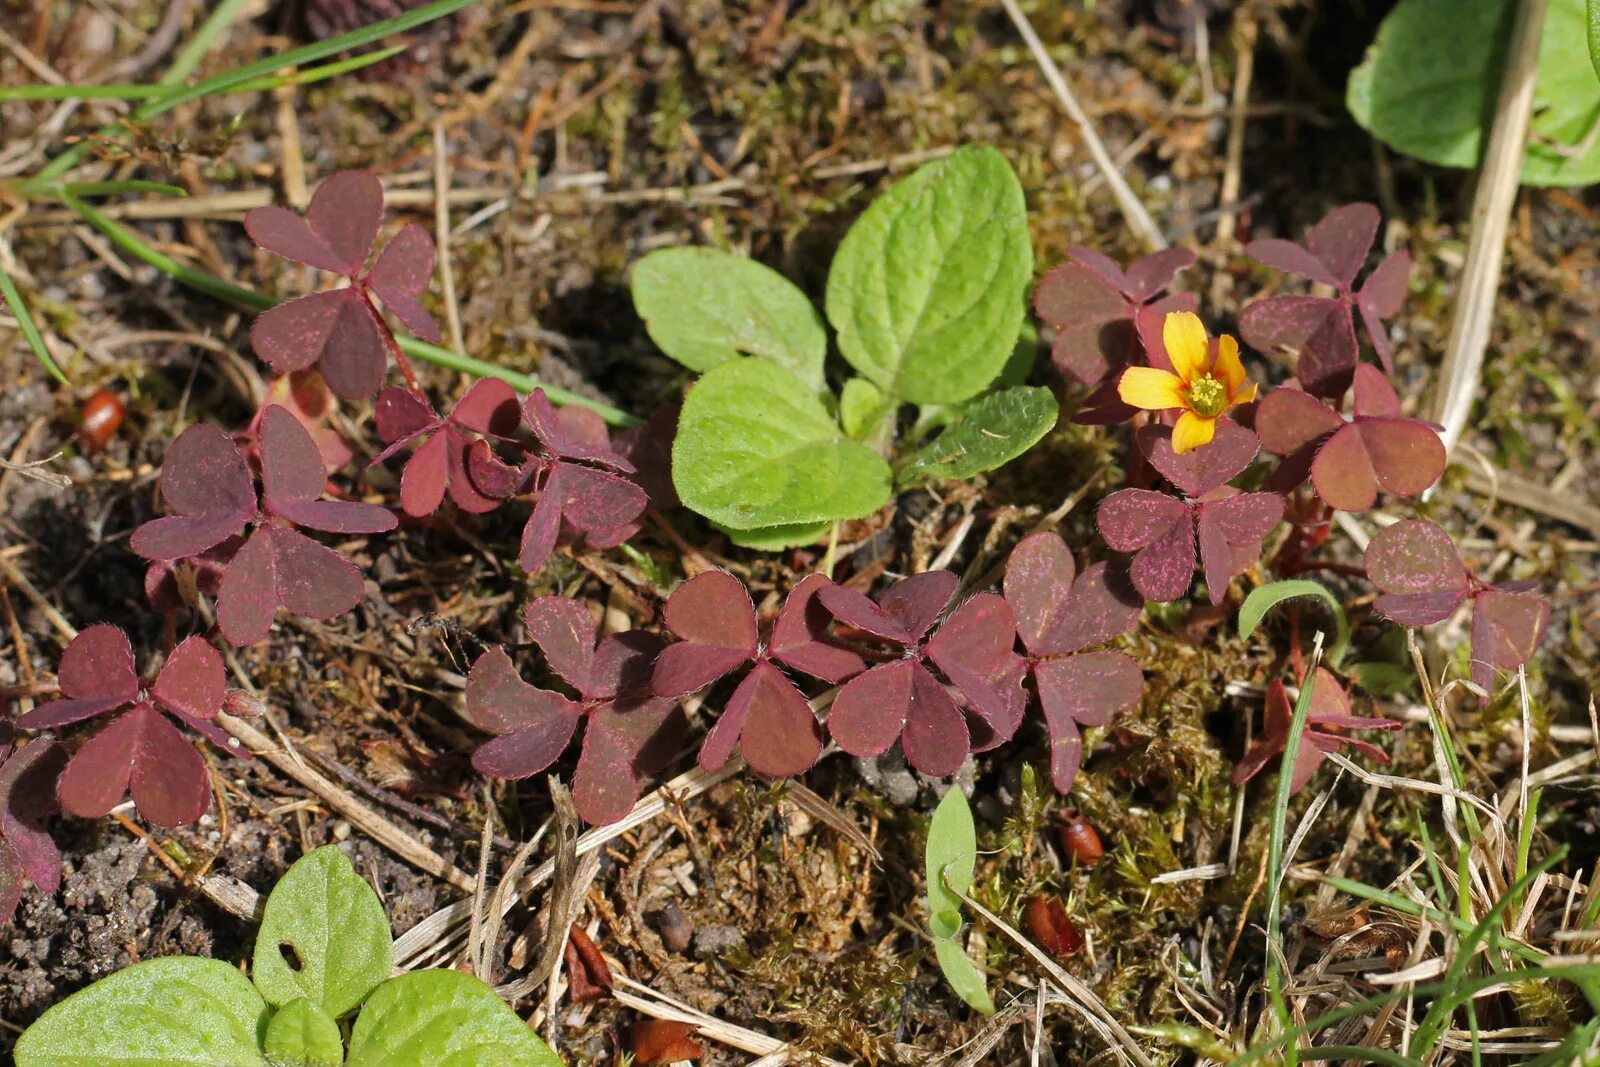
<point>987,432</point>
<point>442,1019</point>
<point>303,1035</point>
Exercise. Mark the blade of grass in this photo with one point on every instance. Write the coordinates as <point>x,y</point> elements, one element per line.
<point>230,80</point>
<point>307,76</point>
<point>30,332</point>
<point>205,38</point>
<point>136,246</point>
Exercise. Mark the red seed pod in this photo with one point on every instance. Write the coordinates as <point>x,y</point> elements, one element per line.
<point>1080,841</point>
<point>102,414</point>
<point>1052,929</point>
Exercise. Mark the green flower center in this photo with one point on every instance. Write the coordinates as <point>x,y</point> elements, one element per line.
<point>1208,397</point>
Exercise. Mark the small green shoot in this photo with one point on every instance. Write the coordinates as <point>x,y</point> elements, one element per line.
<point>30,332</point>
<point>951,857</point>
<point>1264,598</point>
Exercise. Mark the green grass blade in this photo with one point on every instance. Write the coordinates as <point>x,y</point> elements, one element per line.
<point>312,75</point>
<point>19,310</point>
<point>205,38</point>
<point>9,93</point>
<point>92,189</point>
<point>230,80</point>
<point>137,247</point>
<point>1264,598</point>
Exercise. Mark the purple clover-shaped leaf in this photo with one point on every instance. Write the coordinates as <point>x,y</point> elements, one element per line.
<point>1329,715</point>
<point>340,331</point>
<point>207,483</point>
<point>1507,628</point>
<point>1163,532</point>
<point>630,732</point>
<point>767,718</point>
<point>1092,303</point>
<point>577,481</point>
<point>1348,462</point>
<point>903,699</point>
<point>1059,614</point>
<point>439,464</point>
<point>28,776</point>
<point>1323,328</point>
<point>139,750</point>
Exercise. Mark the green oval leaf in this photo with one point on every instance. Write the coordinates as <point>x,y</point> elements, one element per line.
<point>1594,35</point>
<point>863,408</point>
<point>987,432</point>
<point>778,538</point>
<point>963,975</point>
<point>704,307</point>
<point>303,1035</point>
<point>929,288</point>
<point>442,1019</point>
<point>176,1011</point>
<point>1264,598</point>
<point>1433,74</point>
<point>756,448</point>
<point>323,935</point>
<point>952,853</point>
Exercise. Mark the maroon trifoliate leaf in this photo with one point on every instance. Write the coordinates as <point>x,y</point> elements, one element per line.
<point>308,399</point>
<point>1342,240</point>
<point>207,485</point>
<point>1085,689</point>
<point>799,637</point>
<point>1290,258</point>
<point>401,274</point>
<point>401,416</point>
<point>1230,532</point>
<point>1057,612</point>
<point>974,645</point>
<point>1415,564</point>
<point>595,502</point>
<point>97,674</point>
<point>1293,424</point>
<point>715,620</point>
<point>1200,470</point>
<point>1506,631</point>
<point>903,613</point>
<point>138,752</point>
<point>1159,530</point>
<point>192,681</point>
<point>442,461</point>
<point>1319,327</point>
<point>772,722</point>
<point>903,700</point>
<point>339,228</point>
<point>935,740</point>
<point>1101,265</point>
<point>336,331</point>
<point>277,566</point>
<point>490,407</point>
<point>620,746</point>
<point>534,725</point>
<point>1329,711</point>
<point>293,480</point>
<point>28,779</point>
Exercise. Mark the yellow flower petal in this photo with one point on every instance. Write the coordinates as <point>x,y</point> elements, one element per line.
<point>1244,396</point>
<point>1150,388</point>
<point>1192,432</point>
<point>1184,336</point>
<point>1228,368</point>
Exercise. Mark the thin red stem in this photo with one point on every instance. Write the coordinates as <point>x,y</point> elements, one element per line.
<point>394,346</point>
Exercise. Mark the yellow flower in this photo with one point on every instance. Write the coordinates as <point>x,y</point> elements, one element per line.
<point>1200,388</point>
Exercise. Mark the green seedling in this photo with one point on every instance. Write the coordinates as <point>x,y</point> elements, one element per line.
<point>952,853</point>
<point>926,297</point>
<point>323,951</point>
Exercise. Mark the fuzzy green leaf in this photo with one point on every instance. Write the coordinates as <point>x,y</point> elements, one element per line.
<point>988,432</point>
<point>303,1035</point>
<point>704,307</point>
<point>756,448</point>
<point>1433,74</point>
<point>177,1011</point>
<point>442,1019</point>
<point>1264,598</point>
<point>1594,36</point>
<point>325,918</point>
<point>963,976</point>
<point>928,289</point>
